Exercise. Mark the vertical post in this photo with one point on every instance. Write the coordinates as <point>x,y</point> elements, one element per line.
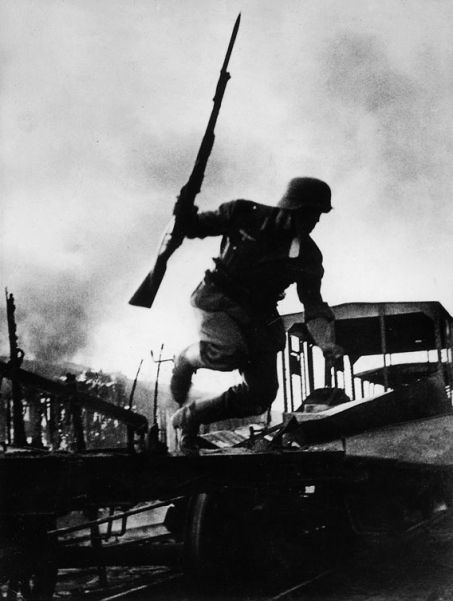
<point>3,416</point>
<point>16,357</point>
<point>34,404</point>
<point>311,375</point>
<point>301,368</point>
<point>156,386</point>
<point>449,344</point>
<point>304,370</point>
<point>153,434</point>
<point>76,414</point>
<point>284,375</point>
<point>130,431</point>
<point>154,440</point>
<point>96,543</point>
<point>295,367</point>
<point>383,345</point>
<point>327,373</point>
<point>8,420</point>
<point>351,372</point>
<point>78,428</point>
<point>335,377</point>
<point>290,379</point>
<point>438,342</point>
<point>53,412</point>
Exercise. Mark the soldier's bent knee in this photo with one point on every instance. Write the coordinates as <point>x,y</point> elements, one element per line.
<point>246,400</point>
<point>221,357</point>
<point>264,393</point>
<point>265,398</point>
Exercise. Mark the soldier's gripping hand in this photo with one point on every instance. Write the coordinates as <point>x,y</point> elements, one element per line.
<point>185,215</point>
<point>322,331</point>
<point>333,352</point>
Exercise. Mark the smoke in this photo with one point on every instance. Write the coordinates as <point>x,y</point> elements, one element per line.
<point>53,334</point>
<point>395,128</point>
<point>103,108</point>
<point>51,317</point>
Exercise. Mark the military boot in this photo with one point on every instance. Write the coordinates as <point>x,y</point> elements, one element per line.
<point>185,420</point>
<point>186,364</point>
<point>181,380</point>
<point>189,418</point>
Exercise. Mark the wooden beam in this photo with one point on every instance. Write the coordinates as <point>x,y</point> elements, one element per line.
<point>82,399</point>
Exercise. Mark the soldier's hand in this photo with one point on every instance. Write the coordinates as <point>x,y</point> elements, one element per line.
<point>332,353</point>
<point>183,211</point>
<point>185,216</point>
<point>335,351</point>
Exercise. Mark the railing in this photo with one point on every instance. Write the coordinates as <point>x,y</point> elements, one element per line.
<point>61,415</point>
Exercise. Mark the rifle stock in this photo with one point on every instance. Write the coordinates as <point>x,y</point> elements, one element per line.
<point>146,293</point>
<point>174,235</point>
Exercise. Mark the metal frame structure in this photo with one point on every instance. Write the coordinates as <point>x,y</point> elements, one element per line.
<point>371,329</point>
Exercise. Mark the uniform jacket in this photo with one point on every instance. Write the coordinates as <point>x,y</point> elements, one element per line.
<point>260,257</point>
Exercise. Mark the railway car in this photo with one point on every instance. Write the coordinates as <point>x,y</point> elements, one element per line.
<point>363,450</point>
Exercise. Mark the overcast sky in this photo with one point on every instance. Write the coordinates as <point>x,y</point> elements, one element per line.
<point>103,105</point>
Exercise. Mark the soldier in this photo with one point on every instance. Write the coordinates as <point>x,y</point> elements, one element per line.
<point>263,251</point>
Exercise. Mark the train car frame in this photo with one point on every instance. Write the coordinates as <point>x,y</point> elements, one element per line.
<point>358,453</point>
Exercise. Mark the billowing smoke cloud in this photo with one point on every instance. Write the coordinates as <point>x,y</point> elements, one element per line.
<point>103,107</point>
<point>51,317</point>
<point>404,137</point>
<point>55,325</point>
<point>99,136</point>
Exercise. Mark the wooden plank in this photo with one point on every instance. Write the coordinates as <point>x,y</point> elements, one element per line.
<point>423,399</point>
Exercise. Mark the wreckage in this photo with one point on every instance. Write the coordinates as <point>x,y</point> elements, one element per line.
<point>366,453</point>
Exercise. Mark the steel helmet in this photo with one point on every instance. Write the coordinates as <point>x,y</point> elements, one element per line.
<point>306,192</point>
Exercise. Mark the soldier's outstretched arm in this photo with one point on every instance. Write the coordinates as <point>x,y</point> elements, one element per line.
<point>319,317</point>
<point>322,331</point>
<point>209,223</point>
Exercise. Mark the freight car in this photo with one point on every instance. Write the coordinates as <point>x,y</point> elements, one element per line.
<point>364,452</point>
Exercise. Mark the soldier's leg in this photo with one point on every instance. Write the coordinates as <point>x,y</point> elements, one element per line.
<point>258,389</point>
<point>186,364</point>
<point>222,347</point>
<point>252,397</point>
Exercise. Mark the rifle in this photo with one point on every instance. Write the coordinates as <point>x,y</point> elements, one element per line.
<point>174,234</point>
